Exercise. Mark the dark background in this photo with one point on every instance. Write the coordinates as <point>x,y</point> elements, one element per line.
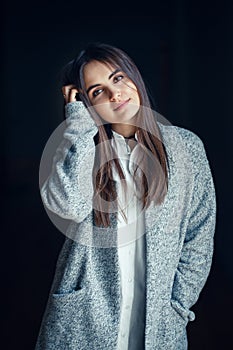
<point>184,50</point>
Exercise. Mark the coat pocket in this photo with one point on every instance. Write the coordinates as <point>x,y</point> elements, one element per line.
<point>65,321</point>
<point>69,295</point>
<point>68,309</point>
<point>179,320</point>
<point>186,314</point>
<point>171,329</point>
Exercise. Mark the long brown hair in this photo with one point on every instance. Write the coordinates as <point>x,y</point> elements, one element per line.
<point>152,157</point>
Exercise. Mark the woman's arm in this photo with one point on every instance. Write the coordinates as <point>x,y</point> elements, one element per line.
<point>68,190</point>
<point>196,256</point>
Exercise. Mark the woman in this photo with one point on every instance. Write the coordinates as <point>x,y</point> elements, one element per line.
<point>141,201</point>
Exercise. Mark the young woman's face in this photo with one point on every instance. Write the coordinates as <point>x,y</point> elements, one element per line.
<point>113,95</point>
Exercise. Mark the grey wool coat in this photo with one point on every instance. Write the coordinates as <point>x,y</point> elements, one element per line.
<point>83,307</point>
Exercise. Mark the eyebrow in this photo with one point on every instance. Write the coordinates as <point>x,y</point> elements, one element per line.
<point>113,73</point>
<point>110,76</point>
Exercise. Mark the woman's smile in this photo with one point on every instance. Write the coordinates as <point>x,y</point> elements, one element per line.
<point>121,105</point>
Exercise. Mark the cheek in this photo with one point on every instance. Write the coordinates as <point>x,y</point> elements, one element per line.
<point>132,90</point>
<point>137,98</point>
<point>104,111</point>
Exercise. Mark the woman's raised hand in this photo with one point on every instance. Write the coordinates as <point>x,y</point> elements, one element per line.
<point>69,92</point>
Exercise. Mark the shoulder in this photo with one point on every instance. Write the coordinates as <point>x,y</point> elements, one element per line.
<point>183,141</point>
<point>174,134</point>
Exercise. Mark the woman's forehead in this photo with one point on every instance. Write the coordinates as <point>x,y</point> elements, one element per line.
<point>96,70</point>
<point>99,65</point>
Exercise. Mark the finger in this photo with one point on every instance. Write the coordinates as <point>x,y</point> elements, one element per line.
<point>68,87</point>
<point>68,93</point>
<point>65,92</point>
<point>72,95</point>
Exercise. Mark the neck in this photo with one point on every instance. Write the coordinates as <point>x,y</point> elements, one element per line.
<point>125,130</point>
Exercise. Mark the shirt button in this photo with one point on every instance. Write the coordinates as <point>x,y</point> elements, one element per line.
<point>129,280</point>
<point>127,307</point>
<point>123,335</point>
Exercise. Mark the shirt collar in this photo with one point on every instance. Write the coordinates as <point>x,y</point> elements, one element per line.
<point>119,136</point>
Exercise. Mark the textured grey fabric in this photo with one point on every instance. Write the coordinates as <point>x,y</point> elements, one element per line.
<point>83,308</point>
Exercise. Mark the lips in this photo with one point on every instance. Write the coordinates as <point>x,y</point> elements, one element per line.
<point>121,105</point>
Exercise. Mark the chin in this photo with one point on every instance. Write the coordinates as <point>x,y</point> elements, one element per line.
<point>129,112</point>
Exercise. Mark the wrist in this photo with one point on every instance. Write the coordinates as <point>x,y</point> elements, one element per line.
<point>74,107</point>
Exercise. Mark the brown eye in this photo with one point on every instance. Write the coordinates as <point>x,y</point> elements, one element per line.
<point>118,78</point>
<point>96,92</point>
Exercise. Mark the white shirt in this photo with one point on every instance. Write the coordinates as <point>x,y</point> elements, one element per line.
<point>131,252</point>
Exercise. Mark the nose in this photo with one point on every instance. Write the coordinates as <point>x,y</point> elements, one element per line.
<point>115,95</point>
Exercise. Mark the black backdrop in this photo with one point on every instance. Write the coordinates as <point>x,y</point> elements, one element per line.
<point>185,54</point>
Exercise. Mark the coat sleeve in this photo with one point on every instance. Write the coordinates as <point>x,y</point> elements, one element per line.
<point>198,246</point>
<point>68,190</point>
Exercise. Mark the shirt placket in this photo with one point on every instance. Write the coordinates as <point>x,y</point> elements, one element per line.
<point>127,252</point>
